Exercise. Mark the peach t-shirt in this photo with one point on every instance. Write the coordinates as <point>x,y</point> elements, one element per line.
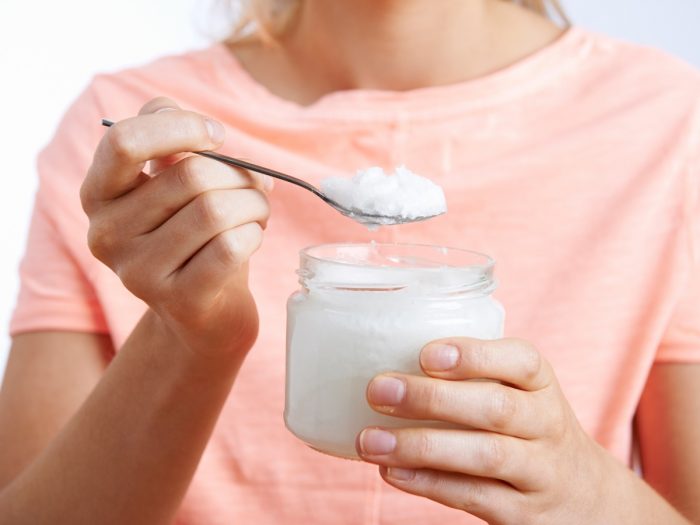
<point>577,168</point>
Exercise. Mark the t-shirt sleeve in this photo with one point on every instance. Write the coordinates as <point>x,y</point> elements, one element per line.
<point>681,342</point>
<point>55,289</point>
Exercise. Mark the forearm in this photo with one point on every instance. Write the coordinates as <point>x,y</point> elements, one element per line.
<point>668,425</point>
<point>129,453</point>
<point>636,502</point>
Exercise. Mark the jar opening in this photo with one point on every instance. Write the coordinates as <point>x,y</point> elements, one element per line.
<point>390,267</point>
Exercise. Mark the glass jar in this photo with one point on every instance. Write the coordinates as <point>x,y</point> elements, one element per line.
<point>364,309</point>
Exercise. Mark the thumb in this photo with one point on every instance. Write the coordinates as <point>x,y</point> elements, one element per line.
<point>158,105</point>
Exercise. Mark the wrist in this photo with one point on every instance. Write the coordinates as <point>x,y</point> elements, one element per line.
<point>156,340</point>
<point>223,331</point>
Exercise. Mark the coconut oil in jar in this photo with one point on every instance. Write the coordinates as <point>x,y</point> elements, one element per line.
<point>364,309</point>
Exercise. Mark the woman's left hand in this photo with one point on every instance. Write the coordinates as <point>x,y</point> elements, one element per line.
<point>518,455</point>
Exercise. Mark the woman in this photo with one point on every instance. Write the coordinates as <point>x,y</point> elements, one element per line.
<point>571,158</point>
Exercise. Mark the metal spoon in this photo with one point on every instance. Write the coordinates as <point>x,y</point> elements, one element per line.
<point>360,216</point>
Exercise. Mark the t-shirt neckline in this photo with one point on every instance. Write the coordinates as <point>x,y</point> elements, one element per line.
<point>524,76</point>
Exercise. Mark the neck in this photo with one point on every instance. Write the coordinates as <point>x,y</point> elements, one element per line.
<point>391,44</point>
<point>394,45</point>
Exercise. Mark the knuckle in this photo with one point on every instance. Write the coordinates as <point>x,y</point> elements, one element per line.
<point>157,103</point>
<point>428,480</point>
<point>476,358</point>
<point>472,497</point>
<point>101,238</point>
<point>503,408</point>
<point>259,203</point>
<point>191,175</point>
<point>196,124</point>
<point>95,245</point>
<point>121,142</point>
<point>425,445</point>
<point>264,203</point>
<point>209,210</point>
<point>252,206</point>
<point>531,360</point>
<point>254,237</point>
<point>85,197</point>
<point>228,249</point>
<point>433,398</point>
<point>492,455</point>
<point>560,422</point>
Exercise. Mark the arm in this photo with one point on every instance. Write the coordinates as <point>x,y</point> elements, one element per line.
<point>48,376</point>
<point>668,421</point>
<point>129,452</point>
<point>180,240</point>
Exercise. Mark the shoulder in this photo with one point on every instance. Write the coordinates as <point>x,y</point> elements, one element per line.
<point>653,99</point>
<point>638,92</point>
<point>186,77</point>
<point>119,95</point>
<point>194,79</point>
<point>637,70</point>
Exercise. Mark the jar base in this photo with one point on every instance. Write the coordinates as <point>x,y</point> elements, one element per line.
<point>330,449</point>
<point>334,455</point>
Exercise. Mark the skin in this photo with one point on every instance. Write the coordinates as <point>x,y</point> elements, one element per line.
<point>119,444</point>
<point>523,457</point>
<point>397,51</point>
<point>669,434</point>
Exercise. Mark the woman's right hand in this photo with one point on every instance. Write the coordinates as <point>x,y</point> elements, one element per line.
<point>180,239</point>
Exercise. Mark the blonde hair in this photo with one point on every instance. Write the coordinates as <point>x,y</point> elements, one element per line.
<point>267,18</point>
<point>548,8</point>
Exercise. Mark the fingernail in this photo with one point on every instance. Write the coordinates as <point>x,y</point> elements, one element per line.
<point>400,474</point>
<point>439,358</point>
<point>375,442</point>
<point>215,130</point>
<point>386,391</point>
<point>163,110</point>
<point>268,182</point>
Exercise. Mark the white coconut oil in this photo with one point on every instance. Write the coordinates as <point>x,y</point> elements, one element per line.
<point>364,309</point>
<point>402,194</point>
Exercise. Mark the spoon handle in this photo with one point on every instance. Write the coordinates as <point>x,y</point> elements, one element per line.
<point>239,163</point>
<point>251,167</point>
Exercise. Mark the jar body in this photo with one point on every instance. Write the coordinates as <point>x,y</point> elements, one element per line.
<point>339,338</point>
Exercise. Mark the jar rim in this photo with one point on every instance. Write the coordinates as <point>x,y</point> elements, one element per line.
<point>382,266</point>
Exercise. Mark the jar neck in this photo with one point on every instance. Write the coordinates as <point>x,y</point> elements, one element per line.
<point>426,271</point>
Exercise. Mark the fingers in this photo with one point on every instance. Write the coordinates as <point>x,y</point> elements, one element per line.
<point>475,453</point>
<point>491,500</point>
<point>512,361</point>
<point>129,144</point>
<point>205,217</point>
<point>158,104</point>
<point>488,499</point>
<point>145,262</point>
<point>214,234</point>
<point>218,260</point>
<point>483,405</point>
<point>154,202</point>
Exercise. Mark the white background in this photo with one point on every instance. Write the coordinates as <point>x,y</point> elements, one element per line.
<point>50,50</point>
